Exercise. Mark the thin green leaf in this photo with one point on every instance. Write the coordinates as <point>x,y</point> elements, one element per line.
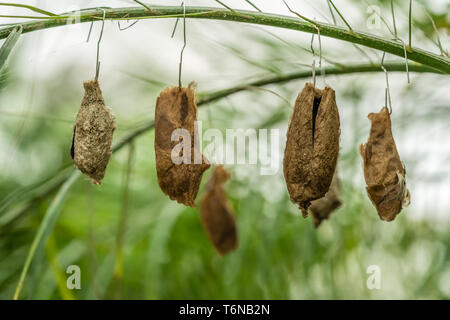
<point>46,227</point>
<point>47,13</point>
<point>8,45</point>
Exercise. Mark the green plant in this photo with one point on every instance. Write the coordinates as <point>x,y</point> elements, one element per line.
<point>18,203</point>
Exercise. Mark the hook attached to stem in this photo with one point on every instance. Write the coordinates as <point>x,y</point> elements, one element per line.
<point>97,69</point>
<point>406,58</point>
<point>322,71</point>
<point>184,44</point>
<point>387,94</point>
<point>314,62</point>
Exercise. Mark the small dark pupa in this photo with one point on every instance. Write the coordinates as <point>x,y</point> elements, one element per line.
<point>176,110</point>
<point>217,216</point>
<point>322,208</point>
<point>93,134</point>
<point>312,146</point>
<point>383,170</point>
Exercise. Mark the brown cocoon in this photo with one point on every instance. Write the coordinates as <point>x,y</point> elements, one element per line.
<point>383,170</point>
<point>217,217</point>
<point>322,208</point>
<point>93,134</point>
<point>176,109</point>
<point>312,146</point>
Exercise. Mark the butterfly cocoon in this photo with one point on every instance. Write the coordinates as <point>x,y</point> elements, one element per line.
<point>383,170</point>
<point>312,146</point>
<point>93,134</point>
<point>322,208</point>
<point>176,136</point>
<point>217,216</point>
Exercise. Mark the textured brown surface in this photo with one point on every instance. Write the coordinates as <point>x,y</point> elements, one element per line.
<point>217,217</point>
<point>383,169</point>
<point>322,208</point>
<point>176,109</point>
<point>92,134</point>
<point>312,146</point>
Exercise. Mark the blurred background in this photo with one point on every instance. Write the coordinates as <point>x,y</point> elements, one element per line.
<point>132,242</point>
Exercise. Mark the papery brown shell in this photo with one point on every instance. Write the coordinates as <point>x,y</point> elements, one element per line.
<point>312,145</point>
<point>217,216</point>
<point>176,109</point>
<point>93,134</point>
<point>383,170</point>
<point>322,208</point>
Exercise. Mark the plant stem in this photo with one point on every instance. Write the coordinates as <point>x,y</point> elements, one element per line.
<point>47,13</point>
<point>45,228</point>
<point>372,41</point>
<point>253,5</point>
<point>335,70</point>
<point>410,24</point>
<point>121,230</point>
<point>342,17</point>
<point>393,19</point>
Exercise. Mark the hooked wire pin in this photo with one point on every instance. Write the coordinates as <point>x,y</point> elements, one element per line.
<point>322,71</point>
<point>314,62</point>
<point>127,27</point>
<point>387,93</point>
<point>98,46</point>
<point>406,58</point>
<point>175,28</point>
<point>184,44</point>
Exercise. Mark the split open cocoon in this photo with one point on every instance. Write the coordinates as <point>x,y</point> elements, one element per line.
<point>312,146</point>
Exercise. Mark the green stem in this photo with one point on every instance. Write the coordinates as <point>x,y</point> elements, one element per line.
<point>335,70</point>
<point>393,19</point>
<point>45,228</point>
<point>47,13</point>
<point>340,15</point>
<point>372,41</point>
<point>410,25</point>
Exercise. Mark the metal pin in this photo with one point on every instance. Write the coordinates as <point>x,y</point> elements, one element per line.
<point>387,93</point>
<point>98,46</point>
<point>90,30</point>
<point>322,72</point>
<point>175,27</point>
<point>314,61</point>
<point>406,58</point>
<point>184,44</point>
<point>127,27</point>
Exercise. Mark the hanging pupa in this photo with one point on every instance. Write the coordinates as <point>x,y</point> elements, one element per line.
<point>176,136</point>
<point>383,170</point>
<point>217,216</point>
<point>312,146</point>
<point>92,134</point>
<point>322,208</point>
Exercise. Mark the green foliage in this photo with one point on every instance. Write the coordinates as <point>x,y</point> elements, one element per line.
<point>49,219</point>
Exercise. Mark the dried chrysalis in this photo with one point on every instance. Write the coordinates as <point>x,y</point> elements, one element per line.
<point>217,217</point>
<point>322,208</point>
<point>176,136</point>
<point>92,134</point>
<point>383,170</point>
<point>312,146</point>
